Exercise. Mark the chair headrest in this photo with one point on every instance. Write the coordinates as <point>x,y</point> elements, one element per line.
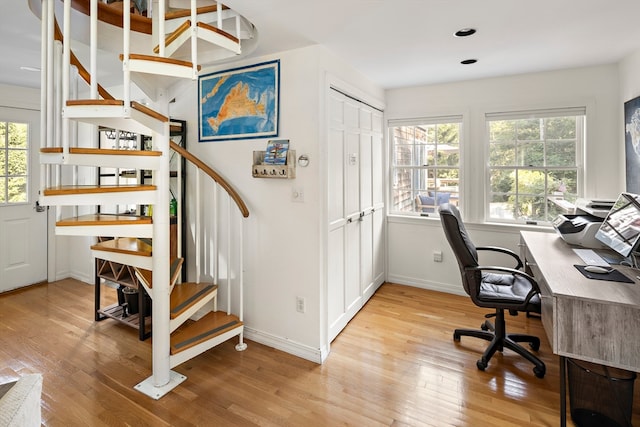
<point>456,233</point>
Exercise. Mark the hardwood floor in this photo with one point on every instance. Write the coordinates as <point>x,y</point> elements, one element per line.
<point>394,365</point>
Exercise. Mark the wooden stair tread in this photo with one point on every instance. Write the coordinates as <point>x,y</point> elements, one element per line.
<point>218,30</point>
<point>183,13</point>
<point>153,58</point>
<point>125,245</point>
<point>174,271</point>
<point>185,295</point>
<point>185,26</point>
<point>77,102</point>
<point>193,333</point>
<point>117,102</point>
<point>104,219</point>
<point>101,151</point>
<point>93,189</point>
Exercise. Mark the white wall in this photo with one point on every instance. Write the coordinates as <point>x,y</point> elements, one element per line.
<point>283,238</point>
<point>411,241</point>
<point>629,89</point>
<point>629,80</point>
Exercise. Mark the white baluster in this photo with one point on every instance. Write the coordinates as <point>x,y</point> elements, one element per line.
<point>194,39</point>
<point>126,51</point>
<point>93,49</point>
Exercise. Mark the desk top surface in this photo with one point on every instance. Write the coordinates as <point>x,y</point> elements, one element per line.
<point>555,259</point>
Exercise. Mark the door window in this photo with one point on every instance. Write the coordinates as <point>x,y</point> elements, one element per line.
<point>14,162</point>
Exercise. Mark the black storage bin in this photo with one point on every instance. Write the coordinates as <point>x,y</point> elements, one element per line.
<point>600,396</point>
<point>131,298</point>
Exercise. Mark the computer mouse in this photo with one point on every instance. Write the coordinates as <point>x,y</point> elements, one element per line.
<point>597,269</point>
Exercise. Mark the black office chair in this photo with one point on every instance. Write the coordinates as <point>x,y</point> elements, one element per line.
<point>494,287</point>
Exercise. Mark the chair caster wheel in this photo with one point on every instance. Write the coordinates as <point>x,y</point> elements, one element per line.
<point>456,336</point>
<point>484,327</point>
<point>535,346</point>
<point>481,365</point>
<point>539,371</point>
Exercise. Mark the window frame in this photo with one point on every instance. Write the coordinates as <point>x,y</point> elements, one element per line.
<point>580,140</point>
<point>5,149</point>
<point>392,124</point>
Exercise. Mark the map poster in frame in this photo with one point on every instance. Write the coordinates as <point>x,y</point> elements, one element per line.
<point>239,103</point>
<point>632,144</point>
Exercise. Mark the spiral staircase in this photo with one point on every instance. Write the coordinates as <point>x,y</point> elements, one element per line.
<point>156,52</point>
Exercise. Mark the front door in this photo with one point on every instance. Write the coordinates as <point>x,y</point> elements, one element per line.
<point>23,226</point>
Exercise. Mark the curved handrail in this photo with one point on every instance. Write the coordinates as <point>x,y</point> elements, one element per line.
<point>214,175</point>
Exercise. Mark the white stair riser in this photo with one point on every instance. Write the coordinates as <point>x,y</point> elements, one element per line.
<point>103,160</point>
<point>162,68</point>
<point>114,198</point>
<point>172,47</point>
<point>175,323</point>
<point>145,262</point>
<point>196,350</point>
<point>115,117</point>
<point>138,230</point>
<point>219,40</point>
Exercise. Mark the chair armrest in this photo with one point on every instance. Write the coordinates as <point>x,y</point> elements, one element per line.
<point>504,251</point>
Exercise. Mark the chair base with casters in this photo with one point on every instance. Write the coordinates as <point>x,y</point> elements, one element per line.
<point>499,340</point>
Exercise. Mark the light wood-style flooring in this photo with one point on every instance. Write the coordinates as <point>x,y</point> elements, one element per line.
<point>395,364</point>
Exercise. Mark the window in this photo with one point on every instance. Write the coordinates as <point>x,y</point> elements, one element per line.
<point>533,163</point>
<point>14,156</point>
<point>425,164</point>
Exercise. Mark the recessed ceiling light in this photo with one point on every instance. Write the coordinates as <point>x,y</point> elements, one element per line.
<point>469,61</point>
<point>465,32</point>
<point>30,69</point>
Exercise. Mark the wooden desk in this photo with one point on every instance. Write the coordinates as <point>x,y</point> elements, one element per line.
<point>593,320</point>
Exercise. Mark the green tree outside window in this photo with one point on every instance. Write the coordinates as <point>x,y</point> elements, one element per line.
<point>14,162</point>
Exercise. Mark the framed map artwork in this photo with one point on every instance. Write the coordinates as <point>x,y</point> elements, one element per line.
<point>240,103</point>
<point>632,144</point>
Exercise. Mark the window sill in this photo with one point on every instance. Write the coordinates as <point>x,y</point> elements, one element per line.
<point>434,221</point>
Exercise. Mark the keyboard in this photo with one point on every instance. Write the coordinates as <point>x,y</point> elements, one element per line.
<point>589,257</point>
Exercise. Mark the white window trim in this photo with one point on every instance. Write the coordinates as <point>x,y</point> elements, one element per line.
<point>530,114</point>
<point>427,120</point>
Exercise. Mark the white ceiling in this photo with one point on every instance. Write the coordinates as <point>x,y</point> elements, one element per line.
<point>398,43</point>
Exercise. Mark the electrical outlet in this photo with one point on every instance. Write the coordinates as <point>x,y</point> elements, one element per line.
<point>300,306</point>
<point>437,256</point>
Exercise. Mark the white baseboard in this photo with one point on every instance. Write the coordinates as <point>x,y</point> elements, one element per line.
<point>60,275</point>
<point>81,277</point>
<point>427,284</point>
<point>304,351</point>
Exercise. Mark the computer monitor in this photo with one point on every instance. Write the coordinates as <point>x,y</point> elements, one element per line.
<point>621,228</point>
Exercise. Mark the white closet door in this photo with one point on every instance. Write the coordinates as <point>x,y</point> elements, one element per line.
<point>355,208</point>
